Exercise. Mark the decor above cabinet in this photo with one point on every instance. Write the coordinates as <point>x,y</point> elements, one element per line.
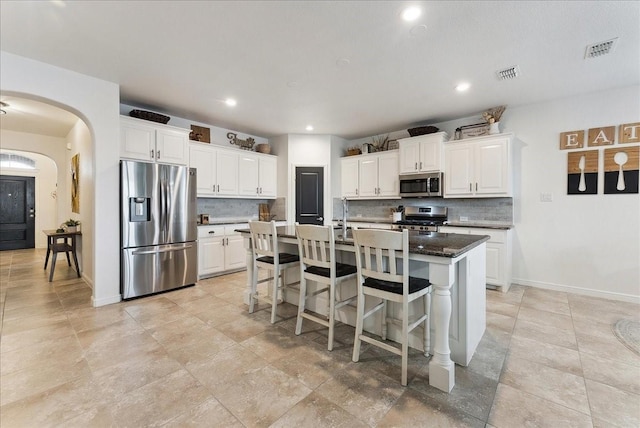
<point>422,153</point>
<point>370,176</point>
<point>152,142</point>
<point>479,167</point>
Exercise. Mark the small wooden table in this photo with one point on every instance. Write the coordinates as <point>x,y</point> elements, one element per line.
<point>53,245</point>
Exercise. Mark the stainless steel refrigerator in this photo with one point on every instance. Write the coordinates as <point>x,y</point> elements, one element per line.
<point>158,228</point>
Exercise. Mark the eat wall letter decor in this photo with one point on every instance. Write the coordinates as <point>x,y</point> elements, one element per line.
<point>604,136</point>
<point>629,133</point>
<point>572,140</point>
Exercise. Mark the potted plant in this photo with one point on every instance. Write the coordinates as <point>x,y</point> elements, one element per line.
<point>71,225</point>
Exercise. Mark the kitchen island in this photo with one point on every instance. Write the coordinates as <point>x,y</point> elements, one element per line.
<point>455,266</point>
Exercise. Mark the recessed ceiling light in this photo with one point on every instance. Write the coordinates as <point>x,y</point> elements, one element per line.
<point>461,87</point>
<point>230,102</point>
<point>411,13</point>
<point>343,62</point>
<point>309,128</point>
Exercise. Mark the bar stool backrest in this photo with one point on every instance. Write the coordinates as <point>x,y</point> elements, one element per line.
<point>264,238</point>
<point>316,246</point>
<point>380,253</point>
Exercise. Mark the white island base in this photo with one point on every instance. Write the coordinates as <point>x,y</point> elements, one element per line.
<point>458,304</point>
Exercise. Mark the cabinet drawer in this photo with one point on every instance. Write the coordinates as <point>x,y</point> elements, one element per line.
<point>230,230</point>
<point>210,231</point>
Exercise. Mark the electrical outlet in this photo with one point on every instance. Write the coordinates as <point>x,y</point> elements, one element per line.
<point>546,197</point>
<point>464,218</point>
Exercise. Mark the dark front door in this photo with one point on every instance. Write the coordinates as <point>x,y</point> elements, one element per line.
<point>17,212</point>
<point>310,195</point>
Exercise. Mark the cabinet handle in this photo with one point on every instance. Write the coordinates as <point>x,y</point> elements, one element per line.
<point>261,190</point>
<point>420,165</point>
<point>356,192</point>
<point>476,187</point>
<point>218,188</point>
<point>212,232</point>
<point>416,167</point>
<point>257,190</point>
<point>214,188</point>
<point>158,153</point>
<point>470,189</point>
<point>153,154</point>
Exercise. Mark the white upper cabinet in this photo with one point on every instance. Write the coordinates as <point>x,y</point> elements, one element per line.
<point>257,175</point>
<point>349,177</point>
<point>479,167</point>
<point>146,141</point>
<point>370,176</point>
<point>422,153</point>
<point>233,173</point>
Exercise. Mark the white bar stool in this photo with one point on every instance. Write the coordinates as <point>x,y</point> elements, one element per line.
<point>379,254</point>
<point>264,241</point>
<point>317,249</point>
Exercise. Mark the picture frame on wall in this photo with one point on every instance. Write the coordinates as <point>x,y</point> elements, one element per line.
<point>200,134</point>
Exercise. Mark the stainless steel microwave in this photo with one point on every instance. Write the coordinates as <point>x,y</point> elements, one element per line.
<point>429,185</point>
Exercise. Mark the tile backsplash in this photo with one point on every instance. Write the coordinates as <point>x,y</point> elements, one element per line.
<point>236,209</point>
<point>480,209</point>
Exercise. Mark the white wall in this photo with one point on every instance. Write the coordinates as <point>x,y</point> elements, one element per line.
<point>96,102</point>
<point>46,177</point>
<point>588,244</point>
<point>79,140</point>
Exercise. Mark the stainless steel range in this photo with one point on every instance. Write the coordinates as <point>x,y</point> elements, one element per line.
<point>424,218</point>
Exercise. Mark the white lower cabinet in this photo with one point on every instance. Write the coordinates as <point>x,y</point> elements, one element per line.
<point>220,249</point>
<point>498,253</point>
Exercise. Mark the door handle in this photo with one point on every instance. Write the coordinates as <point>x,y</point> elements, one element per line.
<point>320,218</point>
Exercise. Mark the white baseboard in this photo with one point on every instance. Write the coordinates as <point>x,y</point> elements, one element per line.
<point>88,280</point>
<point>106,300</point>
<point>578,290</point>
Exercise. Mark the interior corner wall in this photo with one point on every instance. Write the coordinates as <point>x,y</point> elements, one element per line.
<point>96,102</point>
<point>589,244</point>
<point>338,149</point>
<point>79,139</point>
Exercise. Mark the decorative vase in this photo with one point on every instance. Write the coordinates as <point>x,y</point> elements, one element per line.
<point>494,128</point>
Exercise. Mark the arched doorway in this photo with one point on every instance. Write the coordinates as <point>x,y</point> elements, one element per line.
<point>53,138</point>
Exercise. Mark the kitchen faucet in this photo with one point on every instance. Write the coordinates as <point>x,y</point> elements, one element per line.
<point>345,210</point>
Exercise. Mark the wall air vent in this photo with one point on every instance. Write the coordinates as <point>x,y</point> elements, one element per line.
<point>598,49</point>
<point>508,73</point>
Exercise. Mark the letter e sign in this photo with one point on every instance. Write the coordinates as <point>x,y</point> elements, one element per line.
<point>602,136</point>
<point>571,140</point>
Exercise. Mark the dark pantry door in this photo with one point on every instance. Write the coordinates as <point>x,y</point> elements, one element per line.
<point>310,195</point>
<point>17,212</point>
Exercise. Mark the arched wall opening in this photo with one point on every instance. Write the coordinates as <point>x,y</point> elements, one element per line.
<point>96,103</point>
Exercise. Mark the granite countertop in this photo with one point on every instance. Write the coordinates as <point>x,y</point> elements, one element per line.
<point>485,224</point>
<point>367,220</point>
<point>424,243</point>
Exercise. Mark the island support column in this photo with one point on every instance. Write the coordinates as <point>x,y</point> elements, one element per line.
<point>441,368</point>
<point>250,268</point>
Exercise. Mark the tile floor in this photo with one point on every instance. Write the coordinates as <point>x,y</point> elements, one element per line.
<point>195,357</point>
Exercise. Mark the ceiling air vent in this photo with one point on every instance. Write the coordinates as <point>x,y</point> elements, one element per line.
<point>598,49</point>
<point>508,73</point>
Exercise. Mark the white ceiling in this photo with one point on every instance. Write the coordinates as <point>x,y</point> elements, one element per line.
<point>349,68</point>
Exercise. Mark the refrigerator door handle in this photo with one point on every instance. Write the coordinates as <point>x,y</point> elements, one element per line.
<point>162,250</point>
